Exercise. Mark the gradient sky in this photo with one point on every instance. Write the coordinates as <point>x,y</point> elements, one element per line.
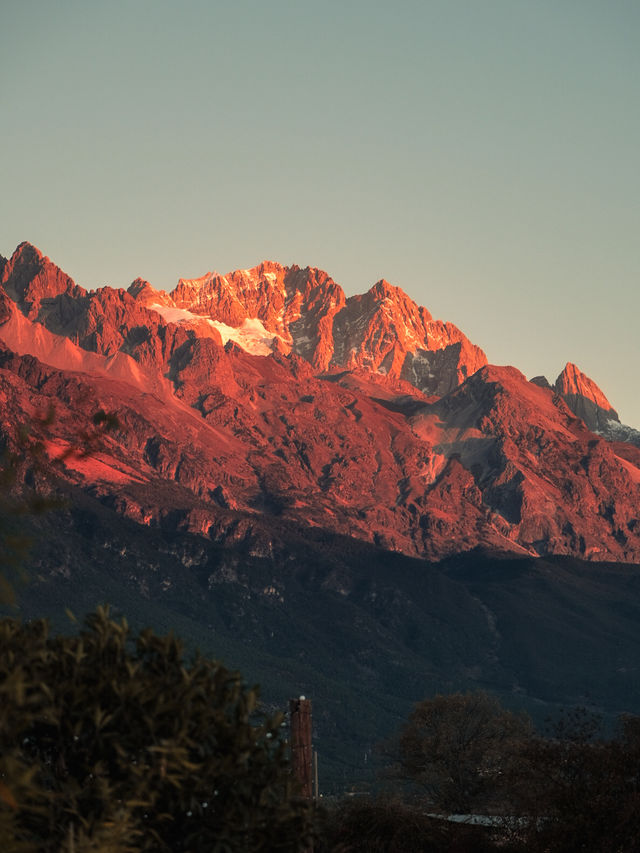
<point>483,155</point>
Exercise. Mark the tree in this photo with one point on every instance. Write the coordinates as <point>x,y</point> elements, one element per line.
<point>107,744</point>
<point>575,790</point>
<point>455,747</point>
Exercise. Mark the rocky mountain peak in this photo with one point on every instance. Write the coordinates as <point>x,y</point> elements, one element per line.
<point>291,309</point>
<point>395,298</point>
<point>26,252</point>
<point>250,294</point>
<point>573,381</point>
<point>147,295</point>
<point>541,381</point>
<point>29,277</point>
<point>584,398</point>
<point>383,289</point>
<point>386,331</point>
<point>24,264</point>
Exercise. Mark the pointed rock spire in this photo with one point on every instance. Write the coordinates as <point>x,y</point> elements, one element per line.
<point>29,277</point>
<point>584,398</point>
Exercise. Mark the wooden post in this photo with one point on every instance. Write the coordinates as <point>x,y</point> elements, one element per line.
<point>316,791</point>
<point>301,754</point>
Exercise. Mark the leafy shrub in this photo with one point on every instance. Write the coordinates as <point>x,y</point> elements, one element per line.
<point>111,744</point>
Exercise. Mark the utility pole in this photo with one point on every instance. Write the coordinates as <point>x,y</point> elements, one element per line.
<point>301,753</point>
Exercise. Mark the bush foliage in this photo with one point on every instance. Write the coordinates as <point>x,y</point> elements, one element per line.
<point>112,743</point>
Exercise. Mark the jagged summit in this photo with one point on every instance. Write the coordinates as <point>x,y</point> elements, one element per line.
<point>145,294</point>
<point>307,311</point>
<point>270,306</point>
<point>585,398</point>
<point>29,276</point>
<point>286,308</point>
<point>26,252</point>
<point>383,289</point>
<point>588,402</point>
<point>573,381</point>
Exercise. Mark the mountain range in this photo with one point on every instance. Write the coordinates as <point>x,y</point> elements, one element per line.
<point>267,392</point>
<point>272,431</point>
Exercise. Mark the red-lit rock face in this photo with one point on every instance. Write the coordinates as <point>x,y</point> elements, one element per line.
<point>386,332</point>
<point>322,419</point>
<point>298,310</point>
<point>584,398</point>
<point>382,331</point>
<point>28,277</point>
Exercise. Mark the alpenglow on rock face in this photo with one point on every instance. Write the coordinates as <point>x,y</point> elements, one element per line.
<point>266,401</point>
<point>308,313</point>
<point>297,310</point>
<point>585,399</point>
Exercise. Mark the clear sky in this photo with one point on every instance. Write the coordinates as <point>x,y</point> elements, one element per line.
<point>481,154</point>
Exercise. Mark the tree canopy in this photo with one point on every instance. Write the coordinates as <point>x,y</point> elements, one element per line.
<point>454,747</point>
<point>112,743</point>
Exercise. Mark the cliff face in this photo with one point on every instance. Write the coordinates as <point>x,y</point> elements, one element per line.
<point>585,399</point>
<point>266,397</point>
<point>386,332</point>
<point>31,279</point>
<point>383,330</point>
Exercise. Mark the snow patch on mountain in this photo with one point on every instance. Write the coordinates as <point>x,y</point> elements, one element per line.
<point>615,431</point>
<point>251,335</point>
<point>175,315</point>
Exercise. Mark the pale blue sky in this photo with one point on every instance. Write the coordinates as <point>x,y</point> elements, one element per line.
<point>483,155</point>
